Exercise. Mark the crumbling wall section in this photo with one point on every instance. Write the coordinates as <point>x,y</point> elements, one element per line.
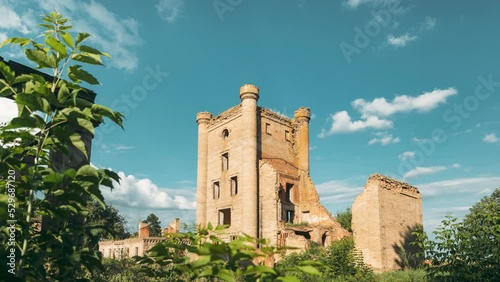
<point>383,218</point>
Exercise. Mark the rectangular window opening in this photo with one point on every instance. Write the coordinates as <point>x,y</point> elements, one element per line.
<point>288,192</point>
<point>225,216</point>
<point>225,161</point>
<point>136,251</point>
<point>289,216</point>
<point>287,135</point>
<point>268,128</point>
<point>234,185</point>
<point>216,188</point>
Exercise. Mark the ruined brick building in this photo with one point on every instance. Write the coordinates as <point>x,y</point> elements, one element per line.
<point>127,248</point>
<point>253,175</point>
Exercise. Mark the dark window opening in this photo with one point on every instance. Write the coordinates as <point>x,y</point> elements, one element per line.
<point>216,188</point>
<point>136,251</point>
<point>234,185</point>
<point>289,215</point>
<point>225,161</point>
<point>225,217</point>
<point>304,234</point>
<point>323,240</point>
<point>287,135</point>
<point>225,133</point>
<point>288,191</point>
<point>233,237</point>
<point>268,128</point>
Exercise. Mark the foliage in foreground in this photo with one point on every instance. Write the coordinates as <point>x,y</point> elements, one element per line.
<point>203,256</point>
<point>340,262</point>
<point>467,250</point>
<point>46,200</point>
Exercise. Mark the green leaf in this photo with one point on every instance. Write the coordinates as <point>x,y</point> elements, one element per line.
<point>57,46</point>
<point>16,40</point>
<point>107,112</point>
<point>66,36</point>
<point>77,74</point>
<point>86,124</point>
<point>34,121</point>
<point>8,74</point>
<point>309,269</point>
<point>81,37</point>
<point>23,78</point>
<point>88,58</point>
<point>43,59</point>
<point>76,141</point>
<point>288,279</point>
<point>88,49</point>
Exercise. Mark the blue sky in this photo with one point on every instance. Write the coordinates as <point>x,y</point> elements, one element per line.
<point>409,89</point>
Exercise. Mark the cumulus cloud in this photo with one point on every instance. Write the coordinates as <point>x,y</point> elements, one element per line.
<point>400,41</point>
<point>384,139</point>
<point>491,138</point>
<point>336,192</point>
<point>169,10</point>
<point>342,123</point>
<point>406,155</point>
<point>420,170</point>
<point>117,35</point>
<point>9,110</point>
<point>374,113</point>
<point>144,194</point>
<point>424,102</point>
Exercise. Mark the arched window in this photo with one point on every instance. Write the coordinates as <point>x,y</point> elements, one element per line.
<point>225,133</point>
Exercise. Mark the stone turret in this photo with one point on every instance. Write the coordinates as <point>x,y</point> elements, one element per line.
<point>249,95</point>
<point>202,119</point>
<point>302,117</point>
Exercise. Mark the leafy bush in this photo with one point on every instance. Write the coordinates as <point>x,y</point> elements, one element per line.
<point>203,256</point>
<point>339,262</point>
<point>467,250</point>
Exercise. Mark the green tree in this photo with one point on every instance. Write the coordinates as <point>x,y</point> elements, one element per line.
<point>52,123</point>
<point>111,223</point>
<point>154,225</point>
<point>467,250</point>
<point>345,218</point>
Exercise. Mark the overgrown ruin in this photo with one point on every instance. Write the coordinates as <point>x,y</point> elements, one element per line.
<point>253,176</point>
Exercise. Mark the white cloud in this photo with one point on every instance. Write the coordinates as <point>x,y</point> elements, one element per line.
<point>10,20</point>
<point>354,4</point>
<point>144,194</point>
<point>3,37</point>
<point>403,103</point>
<point>491,138</point>
<point>9,110</point>
<point>406,155</point>
<point>420,170</point>
<point>169,10</point>
<point>342,123</point>
<point>334,192</point>
<point>384,139</point>
<point>121,147</point>
<point>428,24</point>
<point>400,41</point>
<point>478,186</point>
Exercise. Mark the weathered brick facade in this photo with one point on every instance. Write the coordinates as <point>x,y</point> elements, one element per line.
<point>383,218</point>
<point>253,175</point>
